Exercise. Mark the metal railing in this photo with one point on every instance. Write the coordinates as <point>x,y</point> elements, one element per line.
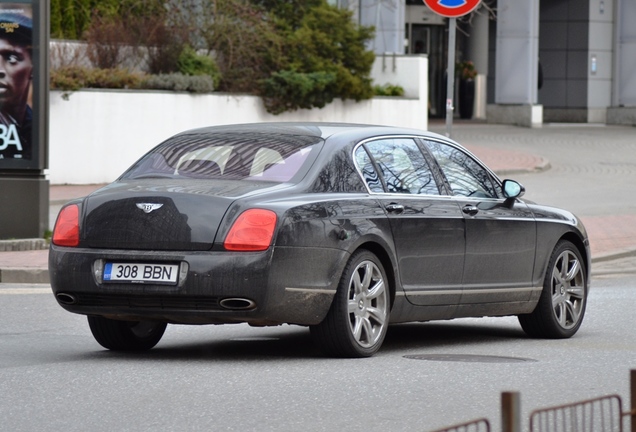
<point>602,414</point>
<point>479,425</point>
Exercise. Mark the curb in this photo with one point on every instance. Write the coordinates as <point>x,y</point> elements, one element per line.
<point>611,256</point>
<point>23,245</point>
<point>25,276</point>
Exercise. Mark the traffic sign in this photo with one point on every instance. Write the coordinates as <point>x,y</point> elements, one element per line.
<point>452,8</point>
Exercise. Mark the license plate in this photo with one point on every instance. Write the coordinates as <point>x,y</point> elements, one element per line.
<point>141,273</point>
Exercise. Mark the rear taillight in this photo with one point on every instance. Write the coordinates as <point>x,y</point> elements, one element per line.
<point>66,231</point>
<point>252,231</point>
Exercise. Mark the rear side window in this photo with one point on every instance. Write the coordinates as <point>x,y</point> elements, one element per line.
<point>230,156</point>
<point>398,167</point>
<point>369,173</point>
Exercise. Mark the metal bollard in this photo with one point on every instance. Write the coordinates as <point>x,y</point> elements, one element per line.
<point>632,401</point>
<point>510,412</point>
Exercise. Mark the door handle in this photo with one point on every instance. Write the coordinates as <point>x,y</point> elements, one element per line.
<point>470,209</point>
<point>395,208</point>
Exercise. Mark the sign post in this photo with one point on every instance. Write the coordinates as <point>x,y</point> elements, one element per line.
<point>451,9</point>
<point>450,76</point>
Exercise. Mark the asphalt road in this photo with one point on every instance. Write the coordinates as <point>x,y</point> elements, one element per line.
<point>54,376</point>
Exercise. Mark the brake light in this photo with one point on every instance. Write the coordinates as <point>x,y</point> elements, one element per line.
<point>252,231</point>
<point>66,231</point>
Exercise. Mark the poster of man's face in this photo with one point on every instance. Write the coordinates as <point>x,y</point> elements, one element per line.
<point>16,76</point>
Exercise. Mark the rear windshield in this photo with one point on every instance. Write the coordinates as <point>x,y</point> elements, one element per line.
<point>230,156</point>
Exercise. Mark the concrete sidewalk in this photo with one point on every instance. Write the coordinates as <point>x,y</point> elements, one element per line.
<point>526,154</point>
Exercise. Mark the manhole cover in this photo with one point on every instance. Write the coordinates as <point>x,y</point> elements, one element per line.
<point>468,358</point>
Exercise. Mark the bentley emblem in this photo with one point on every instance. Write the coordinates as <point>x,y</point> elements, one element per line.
<point>148,207</point>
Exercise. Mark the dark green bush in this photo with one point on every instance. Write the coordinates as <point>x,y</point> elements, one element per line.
<point>290,90</point>
<point>326,58</point>
<point>388,90</point>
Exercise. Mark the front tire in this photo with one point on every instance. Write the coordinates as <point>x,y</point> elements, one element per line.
<point>561,307</point>
<point>126,335</point>
<point>358,319</point>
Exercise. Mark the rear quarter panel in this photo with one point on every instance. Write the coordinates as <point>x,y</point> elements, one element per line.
<point>316,238</point>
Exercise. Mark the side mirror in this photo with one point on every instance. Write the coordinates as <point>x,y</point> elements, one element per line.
<point>512,189</point>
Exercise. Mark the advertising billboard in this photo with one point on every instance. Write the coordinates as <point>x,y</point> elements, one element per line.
<point>22,87</point>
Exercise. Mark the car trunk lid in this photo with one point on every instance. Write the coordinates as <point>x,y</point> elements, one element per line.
<point>154,214</point>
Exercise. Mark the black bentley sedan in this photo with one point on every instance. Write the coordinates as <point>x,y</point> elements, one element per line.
<point>341,228</point>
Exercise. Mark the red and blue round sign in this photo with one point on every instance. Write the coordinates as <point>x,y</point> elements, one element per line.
<point>452,8</point>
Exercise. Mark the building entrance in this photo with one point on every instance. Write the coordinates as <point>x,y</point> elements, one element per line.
<point>432,40</point>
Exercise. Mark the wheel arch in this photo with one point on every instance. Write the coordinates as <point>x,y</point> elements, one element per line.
<point>582,248</point>
<point>385,259</point>
<point>551,318</point>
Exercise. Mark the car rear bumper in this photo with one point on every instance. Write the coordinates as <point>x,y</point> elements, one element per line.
<point>284,285</point>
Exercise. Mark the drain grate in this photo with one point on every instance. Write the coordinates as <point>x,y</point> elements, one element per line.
<point>468,358</point>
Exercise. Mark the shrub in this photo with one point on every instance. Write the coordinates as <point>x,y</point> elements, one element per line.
<point>165,43</point>
<point>131,32</point>
<point>290,90</point>
<point>293,53</point>
<point>71,78</point>
<point>60,81</point>
<point>246,43</point>
<point>324,49</point>
<point>106,39</point>
<point>388,90</point>
<point>191,63</point>
<point>465,70</point>
<point>179,82</point>
<point>69,18</point>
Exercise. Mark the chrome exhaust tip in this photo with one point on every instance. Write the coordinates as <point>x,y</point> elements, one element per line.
<point>67,299</point>
<point>235,303</point>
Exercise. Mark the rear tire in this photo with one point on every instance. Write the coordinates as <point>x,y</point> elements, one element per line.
<point>359,316</point>
<point>126,335</point>
<point>561,307</point>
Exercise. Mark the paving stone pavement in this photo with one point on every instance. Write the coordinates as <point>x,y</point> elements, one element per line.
<point>588,169</point>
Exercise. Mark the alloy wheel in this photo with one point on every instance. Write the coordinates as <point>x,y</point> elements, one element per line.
<point>568,289</point>
<point>367,304</point>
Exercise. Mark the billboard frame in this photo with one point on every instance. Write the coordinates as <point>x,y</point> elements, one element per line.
<point>40,93</point>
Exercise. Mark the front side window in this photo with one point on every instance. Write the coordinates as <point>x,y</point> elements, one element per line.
<point>465,176</point>
<point>399,167</point>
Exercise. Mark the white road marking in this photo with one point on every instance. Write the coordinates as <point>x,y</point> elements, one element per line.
<point>24,290</point>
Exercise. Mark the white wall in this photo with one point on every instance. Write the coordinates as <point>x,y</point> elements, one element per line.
<point>95,135</point>
<point>402,70</point>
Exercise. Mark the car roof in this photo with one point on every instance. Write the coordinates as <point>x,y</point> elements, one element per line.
<point>323,130</point>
